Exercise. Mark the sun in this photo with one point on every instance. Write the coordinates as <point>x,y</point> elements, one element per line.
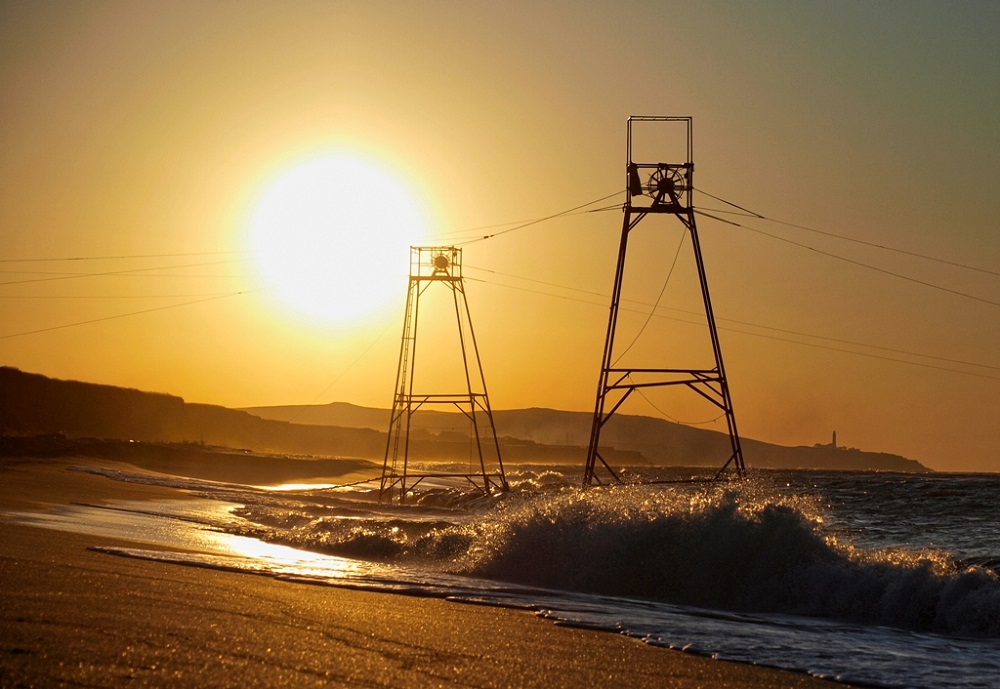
<point>329,237</point>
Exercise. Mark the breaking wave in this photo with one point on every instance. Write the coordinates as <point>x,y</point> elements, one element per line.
<point>711,547</point>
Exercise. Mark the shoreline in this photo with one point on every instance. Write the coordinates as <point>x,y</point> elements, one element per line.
<point>70,615</point>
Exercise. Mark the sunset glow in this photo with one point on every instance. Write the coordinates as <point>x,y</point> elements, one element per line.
<point>192,191</point>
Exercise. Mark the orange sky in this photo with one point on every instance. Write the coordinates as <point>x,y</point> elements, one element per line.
<point>150,132</point>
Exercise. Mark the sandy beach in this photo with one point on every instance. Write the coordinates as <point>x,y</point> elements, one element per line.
<point>74,617</point>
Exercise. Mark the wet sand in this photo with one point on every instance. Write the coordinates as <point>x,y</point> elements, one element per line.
<point>70,616</point>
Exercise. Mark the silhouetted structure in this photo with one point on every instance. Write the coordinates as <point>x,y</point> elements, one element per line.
<point>661,190</point>
<point>441,266</point>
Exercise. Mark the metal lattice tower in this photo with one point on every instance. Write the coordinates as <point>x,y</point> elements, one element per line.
<point>439,267</point>
<point>661,190</point>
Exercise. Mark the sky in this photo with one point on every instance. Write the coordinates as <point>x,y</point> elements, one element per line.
<point>216,200</point>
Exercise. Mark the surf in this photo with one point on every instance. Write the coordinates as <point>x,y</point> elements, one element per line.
<point>739,548</point>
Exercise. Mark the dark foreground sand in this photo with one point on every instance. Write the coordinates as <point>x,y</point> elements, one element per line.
<point>73,617</point>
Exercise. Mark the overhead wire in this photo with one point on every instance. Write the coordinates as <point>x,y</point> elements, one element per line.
<point>852,261</point>
<point>753,214</point>
<point>855,343</point>
<point>123,315</point>
<point>876,356</point>
<point>352,364</point>
<point>668,416</point>
<point>536,221</point>
<point>527,223</point>
<point>524,224</point>
<point>757,215</point>
<point>771,337</point>
<point>694,313</point>
<point>112,296</point>
<point>656,304</point>
<point>117,257</point>
<point>53,276</point>
<point>129,271</point>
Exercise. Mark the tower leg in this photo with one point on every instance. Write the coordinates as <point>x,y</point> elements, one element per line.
<point>593,450</point>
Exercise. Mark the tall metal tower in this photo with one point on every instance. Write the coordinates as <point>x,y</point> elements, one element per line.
<point>662,190</point>
<point>440,266</point>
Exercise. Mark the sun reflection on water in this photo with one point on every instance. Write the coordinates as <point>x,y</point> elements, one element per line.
<point>192,531</point>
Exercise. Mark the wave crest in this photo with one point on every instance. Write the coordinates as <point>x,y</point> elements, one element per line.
<point>732,549</point>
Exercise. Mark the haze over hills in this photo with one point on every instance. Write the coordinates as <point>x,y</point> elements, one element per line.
<point>33,405</point>
<point>655,441</point>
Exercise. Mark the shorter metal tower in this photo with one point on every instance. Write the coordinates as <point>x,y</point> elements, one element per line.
<point>663,190</point>
<point>429,266</point>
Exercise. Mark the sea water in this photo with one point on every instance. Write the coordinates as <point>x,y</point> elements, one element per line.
<point>890,580</point>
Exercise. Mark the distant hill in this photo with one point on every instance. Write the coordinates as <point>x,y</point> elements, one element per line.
<point>651,441</point>
<point>32,405</point>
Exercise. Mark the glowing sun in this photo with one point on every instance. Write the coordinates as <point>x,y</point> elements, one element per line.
<point>330,236</point>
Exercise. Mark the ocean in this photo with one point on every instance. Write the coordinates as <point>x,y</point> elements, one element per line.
<point>876,579</point>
